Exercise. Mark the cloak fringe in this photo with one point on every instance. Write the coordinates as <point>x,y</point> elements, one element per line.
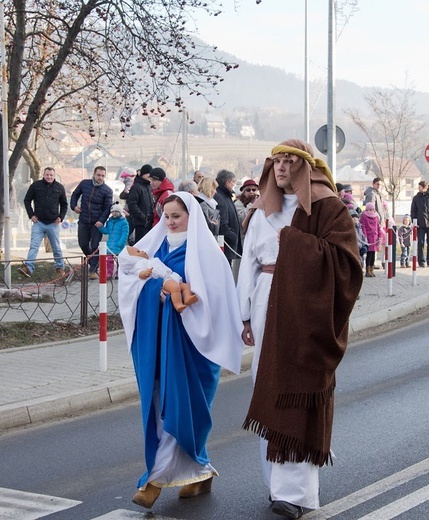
<point>289,449</point>
<point>305,401</point>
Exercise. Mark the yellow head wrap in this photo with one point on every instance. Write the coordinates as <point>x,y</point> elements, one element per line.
<point>320,164</point>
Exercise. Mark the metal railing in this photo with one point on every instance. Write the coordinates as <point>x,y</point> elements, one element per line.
<point>46,297</point>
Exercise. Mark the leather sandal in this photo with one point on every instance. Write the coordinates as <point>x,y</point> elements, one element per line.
<point>196,488</point>
<point>147,496</point>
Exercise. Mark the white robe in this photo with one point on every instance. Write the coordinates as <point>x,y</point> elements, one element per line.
<point>295,483</point>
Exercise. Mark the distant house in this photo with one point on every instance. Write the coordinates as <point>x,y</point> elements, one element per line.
<point>358,177</point>
<point>72,142</point>
<point>247,132</point>
<point>215,125</point>
<point>361,175</point>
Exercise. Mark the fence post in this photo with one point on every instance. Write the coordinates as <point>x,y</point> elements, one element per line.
<point>414,264</point>
<point>103,306</point>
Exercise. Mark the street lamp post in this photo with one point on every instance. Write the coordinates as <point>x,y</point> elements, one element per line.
<point>306,93</point>
<point>5,149</point>
<point>331,133</point>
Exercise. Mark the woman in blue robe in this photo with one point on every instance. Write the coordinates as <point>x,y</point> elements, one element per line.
<point>178,357</point>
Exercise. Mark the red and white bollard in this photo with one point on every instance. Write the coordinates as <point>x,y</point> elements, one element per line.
<point>386,246</point>
<point>389,260</point>
<point>103,306</point>
<point>414,257</point>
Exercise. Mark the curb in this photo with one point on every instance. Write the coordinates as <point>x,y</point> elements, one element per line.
<point>67,404</point>
<point>388,314</point>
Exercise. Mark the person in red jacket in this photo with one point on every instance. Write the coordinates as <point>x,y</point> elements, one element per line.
<point>161,189</point>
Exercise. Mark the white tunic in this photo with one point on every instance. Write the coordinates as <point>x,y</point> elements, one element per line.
<point>295,483</point>
<point>261,247</point>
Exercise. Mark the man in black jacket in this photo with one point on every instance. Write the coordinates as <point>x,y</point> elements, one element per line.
<point>140,203</point>
<point>229,222</point>
<point>94,209</point>
<point>50,208</point>
<point>420,211</point>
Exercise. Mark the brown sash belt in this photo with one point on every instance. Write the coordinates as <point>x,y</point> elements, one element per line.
<point>268,268</point>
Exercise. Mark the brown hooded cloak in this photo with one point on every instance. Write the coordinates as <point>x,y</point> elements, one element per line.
<point>316,282</point>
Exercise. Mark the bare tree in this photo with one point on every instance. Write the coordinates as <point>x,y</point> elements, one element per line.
<point>394,134</point>
<point>100,59</point>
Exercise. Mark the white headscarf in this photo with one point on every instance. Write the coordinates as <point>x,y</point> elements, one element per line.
<point>214,322</point>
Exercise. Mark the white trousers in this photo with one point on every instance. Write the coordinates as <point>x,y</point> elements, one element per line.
<point>296,483</point>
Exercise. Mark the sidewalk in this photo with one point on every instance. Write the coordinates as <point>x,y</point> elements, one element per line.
<point>43,382</point>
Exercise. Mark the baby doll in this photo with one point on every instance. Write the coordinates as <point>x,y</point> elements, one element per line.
<point>181,294</point>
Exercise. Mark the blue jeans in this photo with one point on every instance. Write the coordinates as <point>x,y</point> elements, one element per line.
<point>38,232</point>
<point>405,255</point>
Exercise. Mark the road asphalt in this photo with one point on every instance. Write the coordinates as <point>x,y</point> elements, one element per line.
<point>40,383</point>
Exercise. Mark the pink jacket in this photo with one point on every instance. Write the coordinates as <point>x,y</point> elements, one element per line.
<point>372,230</point>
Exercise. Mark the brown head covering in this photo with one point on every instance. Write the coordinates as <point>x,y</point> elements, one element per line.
<point>310,177</point>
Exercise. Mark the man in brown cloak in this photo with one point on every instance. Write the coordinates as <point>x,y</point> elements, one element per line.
<point>315,283</point>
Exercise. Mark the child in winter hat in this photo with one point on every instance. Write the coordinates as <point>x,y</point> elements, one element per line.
<point>117,230</point>
<point>116,207</point>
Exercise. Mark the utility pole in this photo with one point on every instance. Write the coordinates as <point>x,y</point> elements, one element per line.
<point>306,93</point>
<point>5,150</point>
<point>184,144</point>
<point>331,133</point>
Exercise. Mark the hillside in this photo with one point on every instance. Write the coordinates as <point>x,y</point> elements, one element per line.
<point>266,87</point>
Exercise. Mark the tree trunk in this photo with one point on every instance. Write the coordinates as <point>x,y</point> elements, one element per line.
<point>50,76</point>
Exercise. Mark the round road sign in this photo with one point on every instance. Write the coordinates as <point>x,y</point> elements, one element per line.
<point>321,139</point>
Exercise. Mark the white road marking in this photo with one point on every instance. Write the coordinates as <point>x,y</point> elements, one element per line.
<point>365,494</point>
<point>400,506</point>
<point>123,514</point>
<point>20,505</point>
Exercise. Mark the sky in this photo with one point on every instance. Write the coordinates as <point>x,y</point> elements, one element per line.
<point>384,43</point>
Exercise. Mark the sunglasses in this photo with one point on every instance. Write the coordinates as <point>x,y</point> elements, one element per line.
<point>251,189</point>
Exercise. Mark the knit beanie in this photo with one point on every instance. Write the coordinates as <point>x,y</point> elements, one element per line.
<point>116,206</point>
<point>146,168</point>
<point>157,174</point>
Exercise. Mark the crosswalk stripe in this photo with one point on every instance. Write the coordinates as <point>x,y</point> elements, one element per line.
<point>369,492</point>
<point>400,506</point>
<point>20,505</point>
<point>124,514</point>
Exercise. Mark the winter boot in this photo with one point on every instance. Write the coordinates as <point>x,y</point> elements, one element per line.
<point>372,272</point>
<point>368,272</point>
